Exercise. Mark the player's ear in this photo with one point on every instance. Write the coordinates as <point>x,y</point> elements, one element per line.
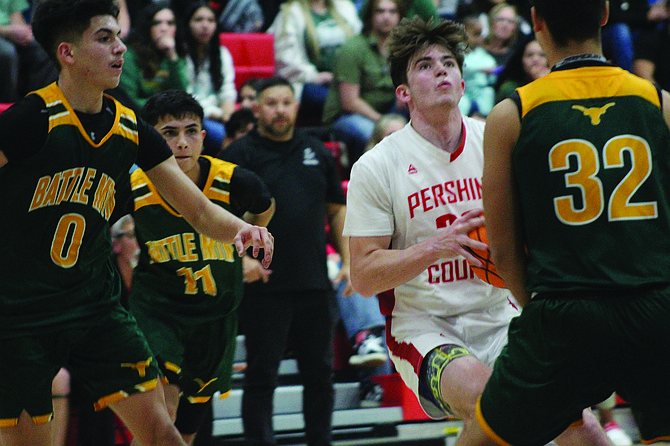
<point>402,93</point>
<point>538,23</point>
<point>65,52</point>
<point>606,15</point>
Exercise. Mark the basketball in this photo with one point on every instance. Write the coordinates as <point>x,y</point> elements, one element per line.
<point>487,272</point>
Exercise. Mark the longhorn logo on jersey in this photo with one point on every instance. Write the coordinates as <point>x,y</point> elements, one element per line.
<point>594,112</point>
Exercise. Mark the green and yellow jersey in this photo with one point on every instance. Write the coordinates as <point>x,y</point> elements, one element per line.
<point>57,195</point>
<point>597,166</point>
<point>180,272</point>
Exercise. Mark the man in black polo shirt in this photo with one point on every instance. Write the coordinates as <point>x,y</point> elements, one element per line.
<point>296,302</point>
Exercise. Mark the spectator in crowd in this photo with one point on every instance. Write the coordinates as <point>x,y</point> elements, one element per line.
<point>426,9</point>
<point>307,34</point>
<point>210,72</point>
<point>503,36</point>
<point>124,18</point>
<point>482,8</point>
<point>529,62</point>
<point>156,57</point>
<point>387,124</point>
<point>24,65</point>
<point>651,57</point>
<point>241,122</point>
<point>125,253</point>
<point>179,301</point>
<point>362,89</point>
<point>479,73</point>
<point>248,93</point>
<point>296,304</point>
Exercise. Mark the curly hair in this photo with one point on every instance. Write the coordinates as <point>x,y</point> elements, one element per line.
<point>411,37</point>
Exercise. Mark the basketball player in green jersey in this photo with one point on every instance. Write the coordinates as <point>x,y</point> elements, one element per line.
<point>186,287</point>
<point>576,180</point>
<point>64,150</point>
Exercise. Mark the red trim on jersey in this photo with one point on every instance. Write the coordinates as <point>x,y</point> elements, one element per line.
<point>401,350</point>
<point>458,152</point>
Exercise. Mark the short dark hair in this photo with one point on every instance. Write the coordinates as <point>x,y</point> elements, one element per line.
<point>252,83</point>
<point>274,81</point>
<point>415,35</point>
<point>239,119</point>
<point>571,20</point>
<point>56,21</point>
<point>175,103</point>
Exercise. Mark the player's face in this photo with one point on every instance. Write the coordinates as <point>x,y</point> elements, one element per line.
<point>277,112</point>
<point>433,80</point>
<point>98,56</point>
<point>203,25</point>
<point>185,137</point>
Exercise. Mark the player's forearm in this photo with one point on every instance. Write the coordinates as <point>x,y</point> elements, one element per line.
<point>217,223</point>
<point>385,269</point>
<point>511,265</point>
<point>336,215</point>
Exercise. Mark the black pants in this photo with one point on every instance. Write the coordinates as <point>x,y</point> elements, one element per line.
<point>306,322</point>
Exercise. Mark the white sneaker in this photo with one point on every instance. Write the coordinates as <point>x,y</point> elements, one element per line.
<point>371,352</point>
<point>617,435</point>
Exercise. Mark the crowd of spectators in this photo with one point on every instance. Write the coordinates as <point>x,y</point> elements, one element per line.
<point>319,47</point>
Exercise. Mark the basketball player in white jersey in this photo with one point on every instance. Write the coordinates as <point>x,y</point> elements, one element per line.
<point>412,201</point>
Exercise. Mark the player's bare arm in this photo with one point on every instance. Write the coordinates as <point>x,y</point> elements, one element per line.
<point>376,268</point>
<point>206,217</point>
<point>3,159</point>
<point>503,224</point>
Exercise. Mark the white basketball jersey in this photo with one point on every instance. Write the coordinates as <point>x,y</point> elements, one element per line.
<point>409,189</point>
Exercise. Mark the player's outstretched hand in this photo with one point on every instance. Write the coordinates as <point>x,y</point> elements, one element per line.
<point>258,238</point>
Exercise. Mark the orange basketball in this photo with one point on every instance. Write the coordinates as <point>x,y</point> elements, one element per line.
<point>487,272</point>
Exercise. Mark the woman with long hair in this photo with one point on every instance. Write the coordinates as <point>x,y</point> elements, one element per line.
<point>155,60</point>
<point>210,72</point>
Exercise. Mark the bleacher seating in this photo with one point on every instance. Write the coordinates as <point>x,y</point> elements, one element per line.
<point>253,55</point>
